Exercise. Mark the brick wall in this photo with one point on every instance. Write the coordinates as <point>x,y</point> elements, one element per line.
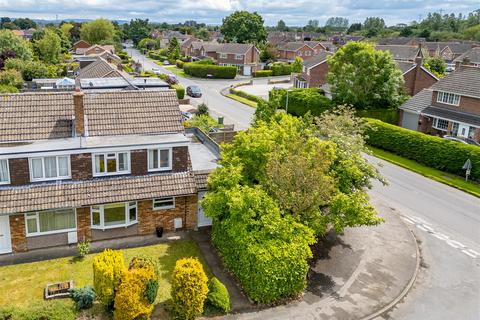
<point>138,159</point>
<point>318,75</point>
<point>180,159</point>
<point>19,171</point>
<point>467,104</point>
<point>81,165</point>
<point>84,231</point>
<point>17,233</point>
<point>149,219</point>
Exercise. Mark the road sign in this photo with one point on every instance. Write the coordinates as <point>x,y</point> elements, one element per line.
<point>468,167</point>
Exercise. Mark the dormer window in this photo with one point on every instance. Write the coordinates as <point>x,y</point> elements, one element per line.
<point>112,163</point>
<point>160,159</point>
<point>238,57</point>
<point>4,174</point>
<point>49,168</point>
<point>448,98</point>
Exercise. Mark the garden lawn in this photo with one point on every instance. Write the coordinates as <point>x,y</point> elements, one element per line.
<point>176,70</point>
<point>437,175</point>
<point>24,284</point>
<point>249,103</point>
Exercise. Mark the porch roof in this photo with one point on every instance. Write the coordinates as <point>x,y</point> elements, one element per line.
<point>455,116</point>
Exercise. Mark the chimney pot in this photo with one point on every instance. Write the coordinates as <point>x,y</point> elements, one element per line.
<point>79,113</point>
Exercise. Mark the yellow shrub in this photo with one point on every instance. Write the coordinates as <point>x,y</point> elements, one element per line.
<point>130,301</point>
<point>189,288</point>
<point>108,269</point>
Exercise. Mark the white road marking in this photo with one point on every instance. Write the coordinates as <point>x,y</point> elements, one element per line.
<point>455,244</point>
<point>408,220</point>
<point>471,253</point>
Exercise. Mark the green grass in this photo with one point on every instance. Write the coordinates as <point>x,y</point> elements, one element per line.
<point>437,175</point>
<point>179,72</point>
<point>24,284</point>
<point>249,103</point>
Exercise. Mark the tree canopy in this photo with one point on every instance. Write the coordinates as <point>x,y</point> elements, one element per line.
<point>49,47</point>
<point>365,78</point>
<point>137,30</point>
<point>373,26</point>
<point>16,45</point>
<point>244,27</point>
<point>98,31</point>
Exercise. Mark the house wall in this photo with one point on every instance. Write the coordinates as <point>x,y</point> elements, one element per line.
<point>19,171</point>
<point>416,80</point>
<point>81,166</point>
<point>302,53</point>
<point>17,233</point>
<point>180,159</point>
<point>318,75</point>
<point>467,104</point>
<point>230,59</point>
<point>81,44</point>
<point>139,162</point>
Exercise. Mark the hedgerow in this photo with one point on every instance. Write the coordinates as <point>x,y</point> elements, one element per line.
<point>262,73</point>
<point>180,90</point>
<point>281,69</point>
<point>245,95</point>
<point>301,101</point>
<point>214,71</point>
<point>434,152</point>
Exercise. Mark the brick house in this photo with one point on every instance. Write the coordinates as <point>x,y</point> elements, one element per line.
<point>448,51</point>
<point>449,107</point>
<point>289,51</point>
<point>93,166</point>
<point>416,76</point>
<point>81,44</point>
<point>246,57</point>
<point>314,72</point>
<point>471,58</point>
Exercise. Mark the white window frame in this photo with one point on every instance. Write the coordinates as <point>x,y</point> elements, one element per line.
<point>7,173</point>
<point>223,55</point>
<point>160,168</point>
<point>163,200</point>
<point>58,177</point>
<point>299,53</point>
<point>239,57</point>
<point>101,211</point>
<point>444,97</point>
<point>435,124</point>
<point>36,216</point>
<point>117,172</point>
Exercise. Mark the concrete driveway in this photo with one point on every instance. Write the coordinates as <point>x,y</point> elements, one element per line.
<point>261,89</point>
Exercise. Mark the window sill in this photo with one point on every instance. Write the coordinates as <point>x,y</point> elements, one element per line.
<point>164,208</point>
<point>50,179</point>
<point>160,170</point>
<point>37,234</point>
<point>97,175</point>
<point>118,226</point>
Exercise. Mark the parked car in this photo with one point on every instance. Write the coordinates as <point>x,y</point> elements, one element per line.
<point>156,71</point>
<point>450,67</point>
<point>194,91</point>
<point>187,115</point>
<point>462,140</point>
<point>166,63</point>
<point>171,79</point>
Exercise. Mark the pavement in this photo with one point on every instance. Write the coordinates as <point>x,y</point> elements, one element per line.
<point>262,88</point>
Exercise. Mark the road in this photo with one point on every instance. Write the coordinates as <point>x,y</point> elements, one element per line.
<point>445,221</point>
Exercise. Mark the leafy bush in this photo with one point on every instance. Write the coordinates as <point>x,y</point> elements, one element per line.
<point>207,61</point>
<point>83,248</point>
<point>180,90</point>
<point>218,296</point>
<point>32,69</point>
<point>12,78</point>
<point>189,288</point>
<point>179,63</point>
<point>134,299</point>
<point>45,310</point>
<point>435,152</point>
<point>245,95</point>
<point>262,73</point>
<point>108,270</point>
<point>281,69</point>
<point>8,89</point>
<point>385,115</point>
<point>301,101</point>
<point>202,109</point>
<point>83,297</point>
<point>204,122</point>
<point>196,69</point>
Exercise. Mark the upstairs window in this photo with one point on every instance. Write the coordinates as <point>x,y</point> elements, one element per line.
<point>49,168</point>
<point>448,98</point>
<point>238,57</point>
<point>111,163</point>
<point>159,159</point>
<point>4,173</point>
<point>223,56</point>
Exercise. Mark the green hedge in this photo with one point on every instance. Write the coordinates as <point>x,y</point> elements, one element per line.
<point>301,101</point>
<point>385,115</point>
<point>218,296</point>
<point>155,56</point>
<point>202,70</point>
<point>179,64</point>
<point>434,152</point>
<point>262,73</point>
<point>245,95</point>
<point>281,69</point>
<point>180,90</point>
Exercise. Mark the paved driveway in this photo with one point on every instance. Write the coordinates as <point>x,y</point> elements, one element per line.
<point>261,88</point>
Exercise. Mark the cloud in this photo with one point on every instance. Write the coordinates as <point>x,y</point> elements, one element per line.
<point>212,11</point>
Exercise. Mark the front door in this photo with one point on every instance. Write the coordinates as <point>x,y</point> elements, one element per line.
<point>247,70</point>
<point>463,130</point>
<point>5,241</point>
<point>203,221</point>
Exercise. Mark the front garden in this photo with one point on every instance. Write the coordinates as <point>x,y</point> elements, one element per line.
<point>145,277</point>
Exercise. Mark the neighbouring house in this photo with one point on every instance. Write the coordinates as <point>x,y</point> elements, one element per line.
<point>80,44</point>
<point>402,52</point>
<point>314,72</point>
<point>96,166</point>
<point>245,57</point>
<point>416,76</point>
<point>278,37</point>
<point>471,58</point>
<point>289,51</point>
<point>25,34</point>
<point>101,68</point>
<point>122,83</point>
<point>166,36</point>
<point>448,51</point>
<point>403,41</point>
<point>194,49</point>
<point>340,39</point>
<point>95,49</point>
<point>53,84</point>
<point>449,107</point>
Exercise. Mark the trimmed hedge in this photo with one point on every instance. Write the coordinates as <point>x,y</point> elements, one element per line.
<point>281,69</point>
<point>247,96</point>
<point>108,270</point>
<point>301,101</point>
<point>435,152</point>
<point>202,70</point>
<point>262,73</point>
<point>385,115</point>
<point>218,295</point>
<point>180,90</point>
<point>179,63</point>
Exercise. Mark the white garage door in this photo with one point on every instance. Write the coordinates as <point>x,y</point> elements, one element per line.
<point>203,221</point>
<point>247,70</point>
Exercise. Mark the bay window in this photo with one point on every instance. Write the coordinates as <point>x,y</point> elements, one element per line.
<point>50,222</point>
<point>114,215</point>
<point>49,168</point>
<point>440,124</point>
<point>159,159</point>
<point>4,172</point>
<point>111,163</point>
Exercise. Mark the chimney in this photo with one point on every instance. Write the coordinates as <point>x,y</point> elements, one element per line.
<point>79,113</point>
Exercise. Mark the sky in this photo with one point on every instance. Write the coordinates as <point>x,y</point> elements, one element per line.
<point>293,12</point>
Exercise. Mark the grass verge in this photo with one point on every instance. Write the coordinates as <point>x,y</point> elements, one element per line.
<point>176,70</point>
<point>24,284</point>
<point>249,103</point>
<point>437,175</point>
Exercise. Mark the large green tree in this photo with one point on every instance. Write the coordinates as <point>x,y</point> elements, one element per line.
<point>98,31</point>
<point>365,78</point>
<point>12,43</point>
<point>137,30</point>
<point>244,27</point>
<point>373,26</point>
<point>49,48</point>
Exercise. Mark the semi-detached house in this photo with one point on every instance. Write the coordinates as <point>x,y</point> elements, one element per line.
<point>93,166</point>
